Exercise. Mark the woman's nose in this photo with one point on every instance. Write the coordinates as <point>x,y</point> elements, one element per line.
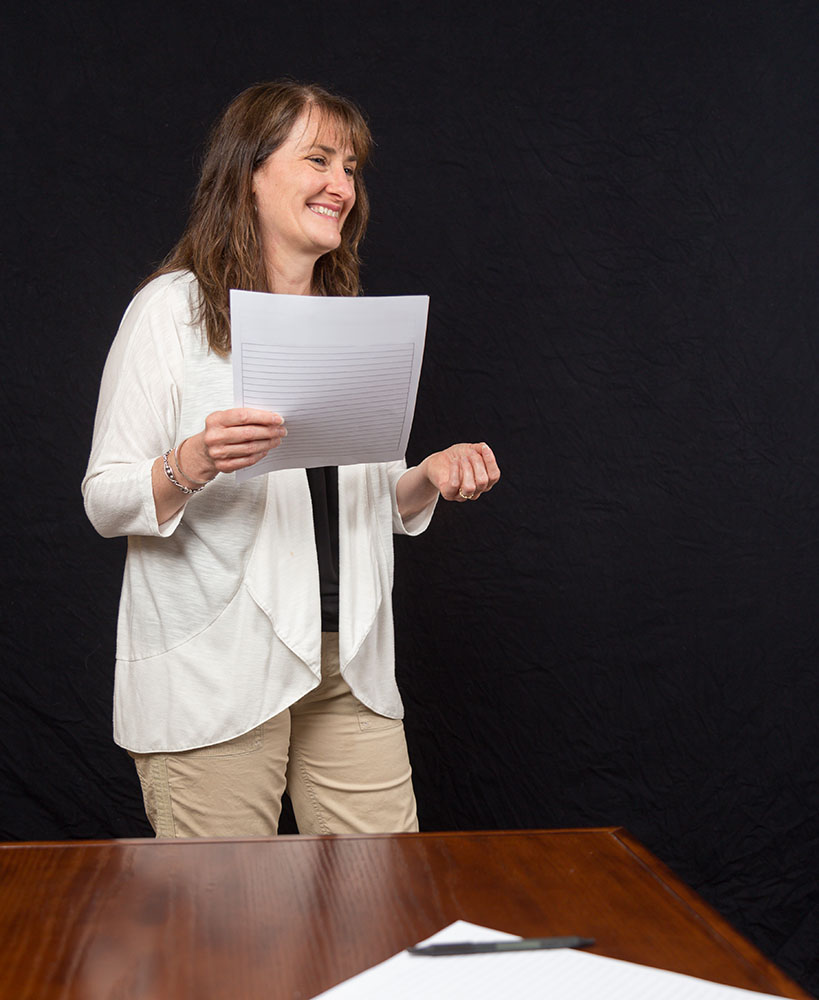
<point>340,182</point>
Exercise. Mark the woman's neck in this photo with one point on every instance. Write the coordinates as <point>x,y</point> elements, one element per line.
<point>290,277</point>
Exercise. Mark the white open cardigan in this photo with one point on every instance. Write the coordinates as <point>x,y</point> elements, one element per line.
<point>219,621</point>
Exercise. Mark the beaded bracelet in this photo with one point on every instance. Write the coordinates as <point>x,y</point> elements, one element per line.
<point>174,480</point>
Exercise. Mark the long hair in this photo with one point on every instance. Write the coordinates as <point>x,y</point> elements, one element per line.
<point>221,243</point>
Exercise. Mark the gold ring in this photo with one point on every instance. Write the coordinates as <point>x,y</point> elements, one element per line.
<point>470,497</point>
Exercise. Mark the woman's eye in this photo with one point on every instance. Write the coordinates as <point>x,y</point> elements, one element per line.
<point>317,159</point>
<point>349,171</point>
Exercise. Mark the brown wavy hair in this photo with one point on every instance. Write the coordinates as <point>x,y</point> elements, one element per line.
<point>221,243</point>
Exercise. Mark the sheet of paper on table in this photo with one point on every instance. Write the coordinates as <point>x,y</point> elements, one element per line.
<point>343,372</point>
<point>561,974</point>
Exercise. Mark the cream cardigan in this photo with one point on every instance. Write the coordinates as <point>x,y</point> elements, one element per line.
<point>219,620</point>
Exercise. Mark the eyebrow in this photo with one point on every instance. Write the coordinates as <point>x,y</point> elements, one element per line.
<point>332,152</point>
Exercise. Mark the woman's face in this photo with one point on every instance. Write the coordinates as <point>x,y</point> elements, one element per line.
<point>304,191</point>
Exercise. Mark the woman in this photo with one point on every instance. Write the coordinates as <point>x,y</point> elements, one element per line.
<point>255,644</point>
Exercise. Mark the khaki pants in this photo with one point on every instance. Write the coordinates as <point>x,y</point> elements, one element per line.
<point>345,768</point>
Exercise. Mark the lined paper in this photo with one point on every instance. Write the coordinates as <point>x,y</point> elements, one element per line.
<point>343,372</point>
<point>561,974</point>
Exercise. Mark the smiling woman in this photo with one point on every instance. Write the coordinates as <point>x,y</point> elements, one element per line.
<point>222,244</point>
<point>303,193</point>
<point>255,644</point>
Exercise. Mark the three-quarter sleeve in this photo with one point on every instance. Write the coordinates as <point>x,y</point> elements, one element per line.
<point>138,412</point>
<point>418,522</point>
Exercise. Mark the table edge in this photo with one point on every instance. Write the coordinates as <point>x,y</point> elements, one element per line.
<point>189,842</point>
<point>743,949</point>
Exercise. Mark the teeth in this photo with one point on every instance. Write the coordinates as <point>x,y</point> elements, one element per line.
<point>321,210</point>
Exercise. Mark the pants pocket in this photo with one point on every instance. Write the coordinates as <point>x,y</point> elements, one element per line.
<point>372,722</point>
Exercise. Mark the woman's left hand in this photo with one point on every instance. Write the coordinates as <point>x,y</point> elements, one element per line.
<point>462,471</point>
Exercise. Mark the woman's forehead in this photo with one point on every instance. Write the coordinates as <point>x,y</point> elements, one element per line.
<point>317,127</point>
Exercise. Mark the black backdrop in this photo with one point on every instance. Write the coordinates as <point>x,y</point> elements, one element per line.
<point>613,207</point>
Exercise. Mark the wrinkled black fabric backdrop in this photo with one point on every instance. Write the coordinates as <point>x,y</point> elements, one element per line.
<point>613,207</point>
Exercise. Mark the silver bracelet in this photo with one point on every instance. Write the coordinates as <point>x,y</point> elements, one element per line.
<point>174,480</point>
<point>181,471</point>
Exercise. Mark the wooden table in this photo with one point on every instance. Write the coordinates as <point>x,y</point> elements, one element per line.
<point>292,916</point>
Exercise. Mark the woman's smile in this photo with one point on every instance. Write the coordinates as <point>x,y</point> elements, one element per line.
<point>327,210</point>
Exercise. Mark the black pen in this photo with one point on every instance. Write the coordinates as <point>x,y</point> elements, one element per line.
<point>479,947</point>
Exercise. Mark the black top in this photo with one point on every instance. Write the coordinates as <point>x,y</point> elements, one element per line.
<point>324,493</point>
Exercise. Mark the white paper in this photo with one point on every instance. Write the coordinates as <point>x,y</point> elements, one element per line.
<point>560,974</point>
<point>343,372</point>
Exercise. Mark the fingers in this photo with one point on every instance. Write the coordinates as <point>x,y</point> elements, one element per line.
<point>468,476</point>
<point>490,464</point>
<point>246,416</point>
<point>243,416</point>
<point>473,470</point>
<point>238,438</point>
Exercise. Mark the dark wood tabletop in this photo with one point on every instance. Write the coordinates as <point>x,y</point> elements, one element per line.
<point>292,916</point>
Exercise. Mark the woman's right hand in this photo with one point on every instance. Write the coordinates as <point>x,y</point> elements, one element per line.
<point>233,439</point>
